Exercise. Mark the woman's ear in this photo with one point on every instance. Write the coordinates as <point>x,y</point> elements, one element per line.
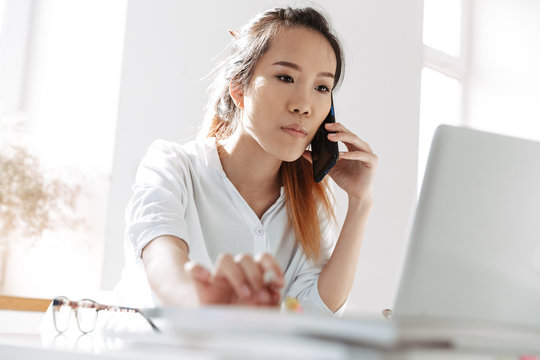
<point>237,95</point>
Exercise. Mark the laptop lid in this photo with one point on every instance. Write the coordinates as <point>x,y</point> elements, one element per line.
<point>474,249</point>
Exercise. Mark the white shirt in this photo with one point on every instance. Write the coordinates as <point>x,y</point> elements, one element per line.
<point>183,191</point>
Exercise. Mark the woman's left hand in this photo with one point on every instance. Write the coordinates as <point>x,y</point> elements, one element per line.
<point>355,169</point>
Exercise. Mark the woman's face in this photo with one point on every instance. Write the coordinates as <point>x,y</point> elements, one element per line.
<point>289,94</point>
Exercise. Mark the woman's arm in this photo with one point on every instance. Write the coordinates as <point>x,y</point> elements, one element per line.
<point>164,259</point>
<point>354,173</point>
<point>337,277</point>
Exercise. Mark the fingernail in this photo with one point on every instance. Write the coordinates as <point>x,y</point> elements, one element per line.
<point>269,276</point>
<point>244,291</point>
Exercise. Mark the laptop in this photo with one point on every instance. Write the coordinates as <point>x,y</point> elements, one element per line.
<point>472,272</point>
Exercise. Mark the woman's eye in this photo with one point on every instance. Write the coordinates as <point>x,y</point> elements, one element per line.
<point>323,88</point>
<point>285,78</point>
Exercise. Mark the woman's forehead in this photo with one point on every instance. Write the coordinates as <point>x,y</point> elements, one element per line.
<point>302,46</point>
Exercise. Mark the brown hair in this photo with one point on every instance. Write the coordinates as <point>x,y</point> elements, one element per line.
<point>303,196</point>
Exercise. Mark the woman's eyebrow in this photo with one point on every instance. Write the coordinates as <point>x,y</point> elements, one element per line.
<point>298,68</point>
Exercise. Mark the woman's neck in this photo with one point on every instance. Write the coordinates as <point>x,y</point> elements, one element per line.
<point>253,171</point>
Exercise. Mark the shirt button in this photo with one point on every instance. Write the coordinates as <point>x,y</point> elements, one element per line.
<point>259,231</point>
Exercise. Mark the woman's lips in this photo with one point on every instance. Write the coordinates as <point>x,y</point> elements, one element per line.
<point>295,130</point>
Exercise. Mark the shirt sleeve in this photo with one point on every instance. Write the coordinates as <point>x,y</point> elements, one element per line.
<point>304,285</point>
<point>158,203</point>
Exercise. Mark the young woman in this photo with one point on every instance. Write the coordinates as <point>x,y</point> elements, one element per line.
<point>236,218</point>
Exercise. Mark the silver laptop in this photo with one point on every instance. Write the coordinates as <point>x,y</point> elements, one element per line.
<point>472,271</point>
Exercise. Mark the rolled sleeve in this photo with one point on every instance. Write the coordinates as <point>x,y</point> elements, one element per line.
<point>157,206</point>
<point>305,288</point>
<point>312,302</point>
<point>304,284</point>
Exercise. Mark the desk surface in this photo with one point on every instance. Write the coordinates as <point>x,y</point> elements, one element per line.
<point>24,335</point>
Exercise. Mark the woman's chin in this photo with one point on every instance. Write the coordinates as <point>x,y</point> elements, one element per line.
<point>292,157</point>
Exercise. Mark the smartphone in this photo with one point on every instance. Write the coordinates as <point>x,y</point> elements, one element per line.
<point>324,152</point>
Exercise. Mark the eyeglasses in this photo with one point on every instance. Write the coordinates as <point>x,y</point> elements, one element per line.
<point>86,313</point>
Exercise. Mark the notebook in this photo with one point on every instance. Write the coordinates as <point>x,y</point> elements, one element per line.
<point>473,263</point>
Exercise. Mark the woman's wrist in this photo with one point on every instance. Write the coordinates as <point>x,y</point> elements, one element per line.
<point>364,202</point>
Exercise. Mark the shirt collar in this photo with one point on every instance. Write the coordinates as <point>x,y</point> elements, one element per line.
<point>211,154</point>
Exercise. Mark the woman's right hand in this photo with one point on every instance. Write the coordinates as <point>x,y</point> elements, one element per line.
<point>238,280</point>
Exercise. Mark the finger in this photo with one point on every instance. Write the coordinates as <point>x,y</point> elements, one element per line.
<point>368,158</point>
<point>254,275</point>
<point>272,299</point>
<point>197,272</point>
<point>349,138</point>
<point>252,271</point>
<point>276,297</point>
<point>339,128</point>
<point>227,269</point>
<point>269,264</point>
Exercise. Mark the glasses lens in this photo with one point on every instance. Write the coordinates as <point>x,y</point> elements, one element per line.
<point>86,315</point>
<point>61,314</point>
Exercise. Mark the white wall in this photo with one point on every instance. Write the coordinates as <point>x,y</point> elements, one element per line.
<point>169,48</point>
<point>504,81</point>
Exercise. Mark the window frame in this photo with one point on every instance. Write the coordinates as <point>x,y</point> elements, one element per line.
<point>14,45</point>
<point>455,67</point>
<point>452,66</point>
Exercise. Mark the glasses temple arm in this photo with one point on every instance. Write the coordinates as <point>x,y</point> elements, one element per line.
<point>154,327</point>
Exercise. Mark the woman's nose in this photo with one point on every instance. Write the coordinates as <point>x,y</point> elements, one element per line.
<point>302,110</point>
<point>300,105</point>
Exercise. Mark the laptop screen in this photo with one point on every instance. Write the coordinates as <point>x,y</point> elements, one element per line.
<point>474,248</point>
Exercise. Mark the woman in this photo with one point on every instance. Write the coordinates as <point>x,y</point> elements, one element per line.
<point>236,218</point>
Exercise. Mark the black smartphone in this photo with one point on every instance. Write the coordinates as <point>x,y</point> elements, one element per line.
<point>324,152</point>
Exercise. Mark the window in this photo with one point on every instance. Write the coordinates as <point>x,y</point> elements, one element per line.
<point>61,77</point>
<point>440,104</point>
<point>480,68</point>
<point>442,21</point>
<point>503,77</point>
<point>443,72</point>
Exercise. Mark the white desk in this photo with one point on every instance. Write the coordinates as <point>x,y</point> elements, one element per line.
<point>22,336</point>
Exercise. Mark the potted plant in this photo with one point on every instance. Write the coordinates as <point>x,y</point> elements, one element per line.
<point>31,200</point>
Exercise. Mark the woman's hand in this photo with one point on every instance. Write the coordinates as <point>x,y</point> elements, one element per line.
<point>240,280</point>
<point>355,169</point>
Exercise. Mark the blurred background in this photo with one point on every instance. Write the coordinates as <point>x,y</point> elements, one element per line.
<point>87,85</point>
